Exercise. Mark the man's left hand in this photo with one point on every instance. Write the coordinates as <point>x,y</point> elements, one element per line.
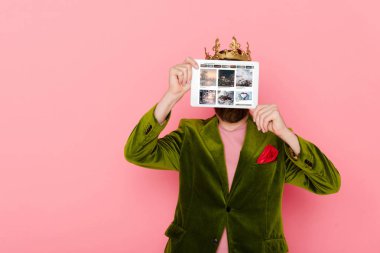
<point>268,118</point>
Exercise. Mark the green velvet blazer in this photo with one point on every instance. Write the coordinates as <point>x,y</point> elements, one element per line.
<point>251,211</point>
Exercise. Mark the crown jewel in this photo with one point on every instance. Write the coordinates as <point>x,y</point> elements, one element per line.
<point>234,53</point>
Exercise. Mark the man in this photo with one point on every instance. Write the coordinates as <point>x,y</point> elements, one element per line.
<point>210,203</point>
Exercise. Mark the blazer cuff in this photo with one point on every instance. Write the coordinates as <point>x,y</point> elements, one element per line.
<point>305,159</point>
<point>151,125</point>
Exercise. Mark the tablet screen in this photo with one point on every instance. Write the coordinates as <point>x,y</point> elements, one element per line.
<point>224,83</point>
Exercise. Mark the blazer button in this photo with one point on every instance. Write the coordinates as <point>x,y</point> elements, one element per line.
<point>308,162</point>
<point>215,241</point>
<point>148,129</point>
<point>228,208</point>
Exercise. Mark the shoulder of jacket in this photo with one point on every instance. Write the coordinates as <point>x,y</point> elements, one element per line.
<point>193,122</point>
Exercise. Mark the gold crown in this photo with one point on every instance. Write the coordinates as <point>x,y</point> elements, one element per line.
<point>234,53</point>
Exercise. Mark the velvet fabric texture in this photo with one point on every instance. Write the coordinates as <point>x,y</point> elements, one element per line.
<point>251,210</point>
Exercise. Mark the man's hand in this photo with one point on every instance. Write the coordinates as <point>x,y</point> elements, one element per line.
<point>180,77</point>
<point>268,118</point>
<point>179,84</point>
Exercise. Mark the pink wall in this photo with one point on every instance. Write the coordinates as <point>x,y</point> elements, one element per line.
<point>70,96</point>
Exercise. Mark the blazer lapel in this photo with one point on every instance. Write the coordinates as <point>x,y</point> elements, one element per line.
<point>252,145</point>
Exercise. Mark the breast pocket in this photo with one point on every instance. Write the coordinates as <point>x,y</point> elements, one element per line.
<point>263,171</point>
<point>253,188</point>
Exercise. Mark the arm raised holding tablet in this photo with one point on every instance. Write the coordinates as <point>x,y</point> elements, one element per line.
<point>179,83</point>
<point>144,147</point>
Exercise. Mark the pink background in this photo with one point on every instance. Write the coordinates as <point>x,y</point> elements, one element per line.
<point>76,76</point>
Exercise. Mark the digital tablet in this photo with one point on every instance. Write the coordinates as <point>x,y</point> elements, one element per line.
<point>224,83</point>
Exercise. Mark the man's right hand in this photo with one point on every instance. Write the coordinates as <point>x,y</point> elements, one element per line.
<point>179,84</point>
<point>180,77</point>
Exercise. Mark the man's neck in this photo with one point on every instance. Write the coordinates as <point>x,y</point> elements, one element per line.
<point>232,126</point>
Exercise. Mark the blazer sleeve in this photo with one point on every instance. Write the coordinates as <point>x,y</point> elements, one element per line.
<point>145,149</point>
<point>311,169</point>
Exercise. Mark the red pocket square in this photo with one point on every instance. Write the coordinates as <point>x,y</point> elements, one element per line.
<point>268,155</point>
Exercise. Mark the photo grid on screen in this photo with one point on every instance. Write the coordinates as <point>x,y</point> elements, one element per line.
<point>225,84</point>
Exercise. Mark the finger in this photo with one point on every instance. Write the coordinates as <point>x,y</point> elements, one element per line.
<point>258,116</point>
<point>271,117</point>
<point>268,117</point>
<point>263,113</point>
<point>186,86</point>
<point>258,110</point>
<point>255,112</point>
<point>179,74</point>
<point>270,126</point>
<point>261,119</point>
<point>189,72</point>
<point>182,73</point>
<point>174,71</point>
<point>184,70</point>
<point>192,62</point>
